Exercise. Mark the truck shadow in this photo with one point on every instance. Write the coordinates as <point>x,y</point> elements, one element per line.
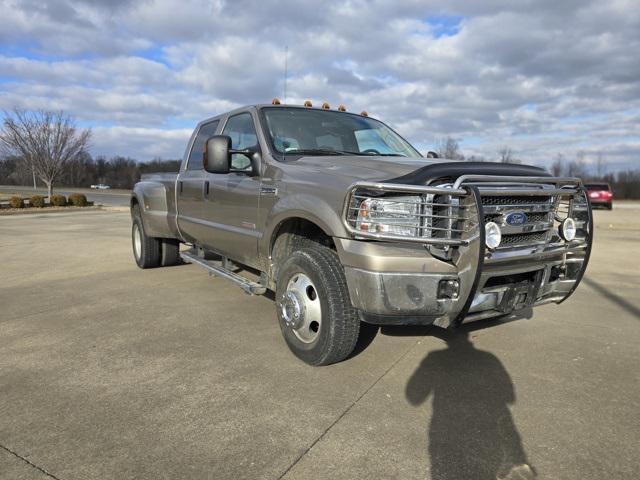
<point>471,433</point>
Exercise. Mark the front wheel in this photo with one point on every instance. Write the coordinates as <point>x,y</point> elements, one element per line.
<point>314,310</point>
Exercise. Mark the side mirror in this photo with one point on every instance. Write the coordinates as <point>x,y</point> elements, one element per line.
<point>217,154</point>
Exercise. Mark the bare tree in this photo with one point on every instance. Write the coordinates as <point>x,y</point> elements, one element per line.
<point>601,165</point>
<point>449,148</point>
<point>505,155</point>
<point>46,141</point>
<point>557,167</point>
<point>577,167</point>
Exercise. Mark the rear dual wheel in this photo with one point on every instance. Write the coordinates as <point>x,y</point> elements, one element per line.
<point>151,252</point>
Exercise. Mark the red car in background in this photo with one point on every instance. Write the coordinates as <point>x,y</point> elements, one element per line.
<point>600,195</point>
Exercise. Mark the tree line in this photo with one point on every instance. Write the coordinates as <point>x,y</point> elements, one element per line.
<point>48,147</point>
<point>84,171</point>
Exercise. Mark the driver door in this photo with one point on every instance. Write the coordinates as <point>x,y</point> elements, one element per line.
<point>231,205</point>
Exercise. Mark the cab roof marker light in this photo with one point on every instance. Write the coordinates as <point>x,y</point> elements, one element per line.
<point>275,101</point>
<point>307,103</point>
<point>364,113</point>
<point>326,106</point>
<point>342,108</point>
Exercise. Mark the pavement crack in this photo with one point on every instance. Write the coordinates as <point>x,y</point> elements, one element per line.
<point>40,469</point>
<point>347,410</point>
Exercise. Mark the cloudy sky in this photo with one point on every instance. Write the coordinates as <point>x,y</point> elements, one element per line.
<point>544,77</point>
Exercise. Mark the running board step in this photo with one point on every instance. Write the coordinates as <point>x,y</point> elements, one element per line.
<point>252,288</point>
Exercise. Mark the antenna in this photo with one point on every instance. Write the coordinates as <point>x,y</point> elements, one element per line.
<point>286,54</point>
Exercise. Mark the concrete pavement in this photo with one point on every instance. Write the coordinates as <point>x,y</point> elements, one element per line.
<point>108,371</point>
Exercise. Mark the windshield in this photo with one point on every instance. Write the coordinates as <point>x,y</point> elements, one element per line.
<point>298,131</point>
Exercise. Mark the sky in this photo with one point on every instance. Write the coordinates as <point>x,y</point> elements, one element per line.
<point>542,77</point>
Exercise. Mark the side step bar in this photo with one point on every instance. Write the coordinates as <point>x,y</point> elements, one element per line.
<point>252,288</point>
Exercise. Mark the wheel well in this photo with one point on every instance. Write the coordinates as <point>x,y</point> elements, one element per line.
<point>291,235</point>
<point>133,203</point>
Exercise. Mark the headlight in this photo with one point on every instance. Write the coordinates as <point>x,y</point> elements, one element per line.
<point>567,229</point>
<point>492,235</point>
<point>390,215</point>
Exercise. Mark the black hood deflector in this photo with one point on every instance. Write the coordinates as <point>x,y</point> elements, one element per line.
<point>452,170</point>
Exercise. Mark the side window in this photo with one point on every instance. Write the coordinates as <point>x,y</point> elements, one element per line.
<point>243,135</point>
<point>195,158</point>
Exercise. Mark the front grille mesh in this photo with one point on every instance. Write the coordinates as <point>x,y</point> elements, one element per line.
<point>513,200</point>
<point>523,239</point>
<point>537,210</point>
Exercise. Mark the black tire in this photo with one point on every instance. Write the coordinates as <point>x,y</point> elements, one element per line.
<point>148,253</point>
<point>338,330</point>
<point>170,252</point>
<point>609,206</point>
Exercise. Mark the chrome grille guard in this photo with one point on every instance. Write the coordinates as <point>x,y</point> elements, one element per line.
<point>463,201</point>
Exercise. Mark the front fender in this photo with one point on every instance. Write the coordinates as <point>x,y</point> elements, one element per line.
<point>326,216</point>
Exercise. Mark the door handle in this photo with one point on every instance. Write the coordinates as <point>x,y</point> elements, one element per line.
<point>205,188</point>
<point>180,186</point>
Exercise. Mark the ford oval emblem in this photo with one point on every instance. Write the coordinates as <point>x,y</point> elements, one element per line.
<point>516,218</point>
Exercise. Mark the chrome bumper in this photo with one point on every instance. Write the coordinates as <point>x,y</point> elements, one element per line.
<point>412,298</point>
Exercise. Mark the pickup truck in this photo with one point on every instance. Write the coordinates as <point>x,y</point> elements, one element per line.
<point>345,222</point>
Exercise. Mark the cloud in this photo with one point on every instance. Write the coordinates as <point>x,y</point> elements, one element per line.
<point>544,77</point>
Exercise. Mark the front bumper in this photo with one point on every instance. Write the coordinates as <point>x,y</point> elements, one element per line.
<point>503,287</point>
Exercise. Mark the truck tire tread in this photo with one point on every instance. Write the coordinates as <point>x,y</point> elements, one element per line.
<point>150,255</point>
<point>170,252</point>
<point>341,323</point>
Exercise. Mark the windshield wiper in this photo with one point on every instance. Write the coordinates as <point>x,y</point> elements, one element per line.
<point>374,154</point>
<point>314,151</point>
<point>328,151</point>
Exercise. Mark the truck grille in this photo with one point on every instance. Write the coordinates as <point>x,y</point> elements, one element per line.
<point>538,221</point>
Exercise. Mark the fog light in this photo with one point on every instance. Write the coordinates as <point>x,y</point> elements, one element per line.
<point>567,229</point>
<point>449,289</point>
<point>492,235</point>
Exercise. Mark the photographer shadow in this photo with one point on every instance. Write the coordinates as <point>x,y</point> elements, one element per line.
<point>472,433</point>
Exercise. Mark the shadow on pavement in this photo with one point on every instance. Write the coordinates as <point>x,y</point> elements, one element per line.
<point>472,433</point>
<point>609,295</point>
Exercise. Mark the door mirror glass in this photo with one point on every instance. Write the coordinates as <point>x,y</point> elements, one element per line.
<point>217,155</point>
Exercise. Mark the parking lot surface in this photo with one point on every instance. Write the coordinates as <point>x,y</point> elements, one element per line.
<point>108,371</point>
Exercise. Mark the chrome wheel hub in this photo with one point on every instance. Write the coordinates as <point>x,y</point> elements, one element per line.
<point>300,308</point>
<point>137,240</point>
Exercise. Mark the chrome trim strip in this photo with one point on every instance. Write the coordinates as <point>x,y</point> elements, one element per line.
<point>500,179</point>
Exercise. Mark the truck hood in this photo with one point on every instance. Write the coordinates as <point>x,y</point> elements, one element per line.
<point>361,167</point>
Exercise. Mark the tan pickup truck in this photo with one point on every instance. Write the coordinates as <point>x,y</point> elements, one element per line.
<point>346,222</point>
